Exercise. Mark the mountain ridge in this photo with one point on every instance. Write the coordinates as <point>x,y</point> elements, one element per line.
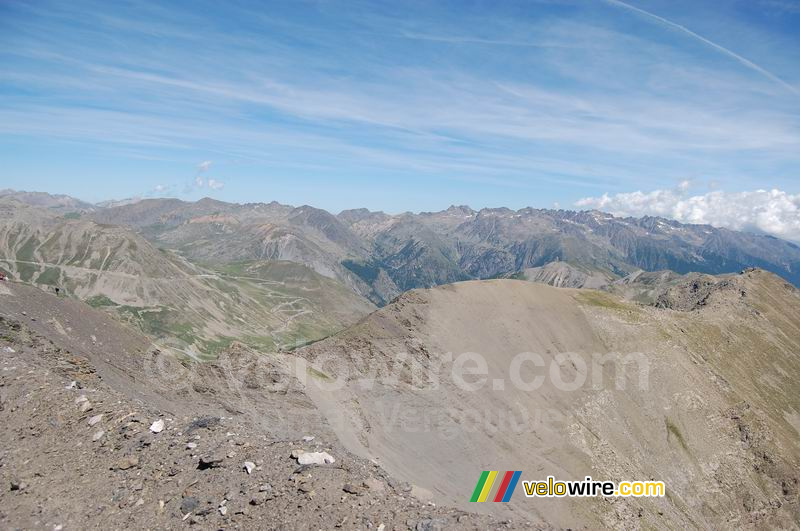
<point>380,255</point>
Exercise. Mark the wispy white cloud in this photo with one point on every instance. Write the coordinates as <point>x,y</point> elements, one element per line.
<point>744,61</point>
<point>774,212</point>
<point>587,104</point>
<point>215,184</point>
<point>781,6</point>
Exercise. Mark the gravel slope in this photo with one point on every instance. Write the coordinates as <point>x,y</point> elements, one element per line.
<point>81,402</point>
<point>717,420</point>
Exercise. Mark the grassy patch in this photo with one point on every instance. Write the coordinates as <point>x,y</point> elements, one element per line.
<point>603,300</point>
<point>238,269</point>
<point>26,271</point>
<point>264,343</point>
<point>26,251</point>
<point>318,374</point>
<point>49,276</point>
<point>98,301</point>
<point>672,430</point>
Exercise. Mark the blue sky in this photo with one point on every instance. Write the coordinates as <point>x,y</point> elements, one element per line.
<point>400,105</point>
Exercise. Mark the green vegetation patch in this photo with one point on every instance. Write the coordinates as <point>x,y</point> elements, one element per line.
<point>603,300</point>
<point>26,251</point>
<point>318,374</point>
<point>49,276</point>
<point>673,430</point>
<point>26,271</point>
<point>98,301</point>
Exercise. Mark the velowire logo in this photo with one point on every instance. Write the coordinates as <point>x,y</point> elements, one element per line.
<point>504,491</point>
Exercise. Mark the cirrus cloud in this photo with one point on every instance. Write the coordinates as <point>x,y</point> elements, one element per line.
<point>773,212</point>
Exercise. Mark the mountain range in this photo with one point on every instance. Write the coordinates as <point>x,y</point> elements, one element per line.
<point>380,255</point>
<point>275,275</point>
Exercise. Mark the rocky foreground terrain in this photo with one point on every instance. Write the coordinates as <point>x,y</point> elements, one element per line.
<point>95,437</point>
<point>105,429</point>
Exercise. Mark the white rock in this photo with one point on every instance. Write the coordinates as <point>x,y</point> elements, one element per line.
<point>9,350</point>
<point>94,420</point>
<point>249,466</point>
<point>80,399</point>
<point>86,406</point>
<point>157,426</point>
<point>72,385</point>
<point>191,446</point>
<point>223,510</point>
<point>308,438</point>
<point>98,435</point>
<point>315,458</point>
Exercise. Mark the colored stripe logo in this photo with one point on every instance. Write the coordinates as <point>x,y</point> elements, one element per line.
<point>504,490</point>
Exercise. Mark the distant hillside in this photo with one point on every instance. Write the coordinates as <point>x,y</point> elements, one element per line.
<point>62,204</point>
<point>265,304</point>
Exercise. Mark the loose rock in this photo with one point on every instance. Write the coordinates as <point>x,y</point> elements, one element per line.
<point>353,489</point>
<point>128,462</point>
<point>249,466</point>
<point>210,461</point>
<point>157,426</point>
<point>315,458</point>
<point>189,504</point>
<point>94,420</point>
<point>260,498</point>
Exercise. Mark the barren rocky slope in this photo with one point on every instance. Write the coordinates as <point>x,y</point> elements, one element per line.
<point>102,432</point>
<point>717,416</point>
<point>564,275</point>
